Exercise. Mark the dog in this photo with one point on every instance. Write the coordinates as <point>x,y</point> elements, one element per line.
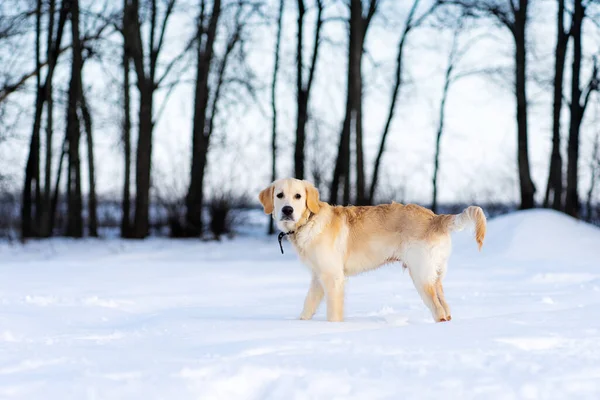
<point>336,242</point>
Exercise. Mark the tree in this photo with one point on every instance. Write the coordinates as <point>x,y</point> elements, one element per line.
<point>554,189</point>
<point>579,101</point>
<point>594,169</point>
<point>274,103</point>
<point>92,201</point>
<point>145,62</point>
<point>449,78</point>
<point>126,136</point>
<point>411,22</point>
<point>303,88</point>
<point>73,133</point>
<point>358,27</point>
<point>207,102</point>
<point>31,224</point>
<point>205,39</point>
<point>512,14</point>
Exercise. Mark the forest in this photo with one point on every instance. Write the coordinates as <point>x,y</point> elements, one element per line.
<point>143,117</point>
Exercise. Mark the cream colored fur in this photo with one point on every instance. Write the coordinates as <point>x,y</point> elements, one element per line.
<point>336,242</point>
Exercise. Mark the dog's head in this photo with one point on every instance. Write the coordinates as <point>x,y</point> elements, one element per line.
<point>290,202</point>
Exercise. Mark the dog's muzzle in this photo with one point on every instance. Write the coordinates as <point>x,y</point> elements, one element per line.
<point>287,213</point>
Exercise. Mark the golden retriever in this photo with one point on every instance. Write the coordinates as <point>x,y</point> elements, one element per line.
<point>336,242</point>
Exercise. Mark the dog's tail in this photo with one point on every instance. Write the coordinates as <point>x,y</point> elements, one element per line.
<point>472,216</point>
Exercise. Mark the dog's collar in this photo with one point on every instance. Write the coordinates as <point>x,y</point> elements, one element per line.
<point>282,234</point>
<point>280,238</point>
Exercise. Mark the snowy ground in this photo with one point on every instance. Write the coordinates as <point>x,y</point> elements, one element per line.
<point>185,320</point>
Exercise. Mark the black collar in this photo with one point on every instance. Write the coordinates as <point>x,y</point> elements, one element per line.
<point>280,238</point>
<point>282,234</point>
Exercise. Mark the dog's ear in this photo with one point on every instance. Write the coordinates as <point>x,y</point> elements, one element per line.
<point>266,199</point>
<point>312,197</point>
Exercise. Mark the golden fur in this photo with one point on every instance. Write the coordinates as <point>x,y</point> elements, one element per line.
<point>336,242</point>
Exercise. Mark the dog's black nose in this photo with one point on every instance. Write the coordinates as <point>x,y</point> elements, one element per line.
<point>287,210</point>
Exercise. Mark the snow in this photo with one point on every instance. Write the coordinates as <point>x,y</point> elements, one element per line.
<point>158,319</point>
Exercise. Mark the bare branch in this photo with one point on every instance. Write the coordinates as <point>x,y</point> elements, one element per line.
<point>163,29</point>
<point>313,63</point>
<point>489,8</point>
<point>175,61</point>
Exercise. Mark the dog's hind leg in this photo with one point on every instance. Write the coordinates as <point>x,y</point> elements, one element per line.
<point>313,298</point>
<point>439,290</point>
<point>425,283</point>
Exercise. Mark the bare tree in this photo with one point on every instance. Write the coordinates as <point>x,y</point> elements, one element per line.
<point>73,134</point>
<point>303,88</point>
<point>554,189</point>
<point>30,224</point>
<point>205,39</point>
<point>412,21</point>
<point>579,101</point>
<point>46,228</point>
<point>59,170</point>
<point>274,102</point>
<point>449,77</point>
<point>92,201</point>
<point>513,15</point>
<point>207,102</point>
<point>126,137</point>
<point>358,27</point>
<point>594,169</point>
<point>145,62</point>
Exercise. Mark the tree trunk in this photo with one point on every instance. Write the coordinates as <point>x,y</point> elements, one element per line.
<point>341,170</point>
<point>594,167</point>
<point>145,69</point>
<point>303,88</point>
<point>572,195</point>
<point>204,55</point>
<point>54,204</point>
<point>274,104</point>
<point>526,184</point>
<point>440,129</point>
<point>554,189</point>
<point>27,225</point>
<point>92,203</point>
<point>390,117</point>
<point>31,186</point>
<point>358,128</point>
<point>126,200</point>
<point>47,201</point>
<point>358,29</point>
<point>409,25</point>
<point>143,164</point>
<point>358,26</point>
<point>32,202</point>
<point>301,101</point>
<point>74,197</point>
<point>302,116</point>
<point>45,218</point>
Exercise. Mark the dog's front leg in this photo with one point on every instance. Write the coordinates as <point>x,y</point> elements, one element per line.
<point>334,289</point>
<point>313,298</point>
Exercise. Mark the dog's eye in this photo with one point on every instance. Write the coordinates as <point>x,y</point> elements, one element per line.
<point>297,196</point>
<point>280,196</point>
